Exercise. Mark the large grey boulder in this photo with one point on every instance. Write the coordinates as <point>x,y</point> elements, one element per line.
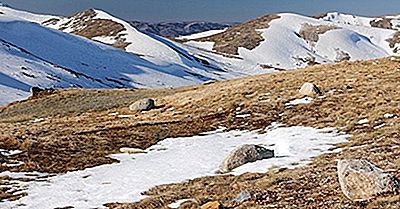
<point>361,180</point>
<point>310,89</point>
<point>245,154</point>
<point>143,105</point>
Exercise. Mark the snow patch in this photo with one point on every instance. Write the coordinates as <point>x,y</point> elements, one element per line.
<point>363,121</point>
<point>305,100</point>
<point>170,161</point>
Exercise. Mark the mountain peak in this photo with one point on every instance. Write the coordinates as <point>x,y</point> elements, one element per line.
<point>4,4</point>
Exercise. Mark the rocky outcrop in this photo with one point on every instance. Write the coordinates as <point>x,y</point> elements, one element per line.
<point>143,105</point>
<point>36,91</point>
<point>361,180</point>
<point>310,89</point>
<point>245,154</point>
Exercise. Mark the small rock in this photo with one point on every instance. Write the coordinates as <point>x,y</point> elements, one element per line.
<point>143,105</point>
<point>212,205</point>
<point>245,154</point>
<point>361,180</point>
<point>129,150</point>
<point>310,89</point>
<point>242,197</point>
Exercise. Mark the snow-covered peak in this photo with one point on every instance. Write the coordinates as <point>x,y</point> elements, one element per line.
<point>9,13</point>
<point>348,19</point>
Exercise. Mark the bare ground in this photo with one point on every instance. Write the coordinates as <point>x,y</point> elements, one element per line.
<point>80,132</point>
<point>244,35</point>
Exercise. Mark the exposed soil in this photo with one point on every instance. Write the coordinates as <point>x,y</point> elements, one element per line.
<point>311,33</point>
<point>382,22</point>
<point>80,131</point>
<point>244,35</point>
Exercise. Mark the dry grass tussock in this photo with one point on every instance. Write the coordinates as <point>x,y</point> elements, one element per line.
<point>80,132</point>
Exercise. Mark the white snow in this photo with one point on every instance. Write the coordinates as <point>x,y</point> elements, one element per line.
<point>179,202</point>
<point>363,121</point>
<point>162,62</point>
<point>38,120</point>
<point>171,161</point>
<point>201,34</point>
<point>10,152</point>
<point>6,11</point>
<point>348,19</point>
<point>282,47</point>
<point>389,115</point>
<point>305,100</point>
<point>206,45</point>
<point>82,63</point>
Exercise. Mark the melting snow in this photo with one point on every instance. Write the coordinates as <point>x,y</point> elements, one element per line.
<point>170,161</point>
<point>363,121</point>
<point>305,100</point>
<point>179,202</point>
<point>388,115</point>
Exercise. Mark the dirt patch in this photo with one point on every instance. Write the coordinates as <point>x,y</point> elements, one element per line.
<point>83,24</point>
<point>244,35</point>
<point>82,133</point>
<point>311,33</point>
<point>382,22</point>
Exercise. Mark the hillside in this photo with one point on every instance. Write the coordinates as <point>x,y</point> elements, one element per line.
<point>263,45</point>
<point>60,60</point>
<point>287,41</point>
<point>74,129</point>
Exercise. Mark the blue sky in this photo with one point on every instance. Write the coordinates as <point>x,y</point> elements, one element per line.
<point>210,10</point>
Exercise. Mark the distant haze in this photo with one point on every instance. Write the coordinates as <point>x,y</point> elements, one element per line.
<point>207,10</point>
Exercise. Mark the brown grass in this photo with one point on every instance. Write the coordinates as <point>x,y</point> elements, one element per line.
<point>80,131</point>
<point>84,25</point>
<point>393,41</point>
<point>382,22</point>
<point>244,35</point>
<point>311,33</point>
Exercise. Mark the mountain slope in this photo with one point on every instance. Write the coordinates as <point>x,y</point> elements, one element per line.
<point>266,44</point>
<point>287,41</point>
<point>58,60</point>
<point>103,27</point>
<point>79,128</point>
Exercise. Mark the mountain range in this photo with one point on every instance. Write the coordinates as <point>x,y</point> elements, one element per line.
<point>93,49</point>
<point>176,29</point>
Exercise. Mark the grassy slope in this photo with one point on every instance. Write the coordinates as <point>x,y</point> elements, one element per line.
<point>80,131</point>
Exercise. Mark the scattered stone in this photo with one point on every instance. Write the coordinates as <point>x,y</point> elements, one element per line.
<point>143,105</point>
<point>242,197</point>
<point>35,91</point>
<point>361,180</point>
<point>129,150</point>
<point>212,205</point>
<point>310,89</point>
<point>342,56</point>
<point>245,154</point>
